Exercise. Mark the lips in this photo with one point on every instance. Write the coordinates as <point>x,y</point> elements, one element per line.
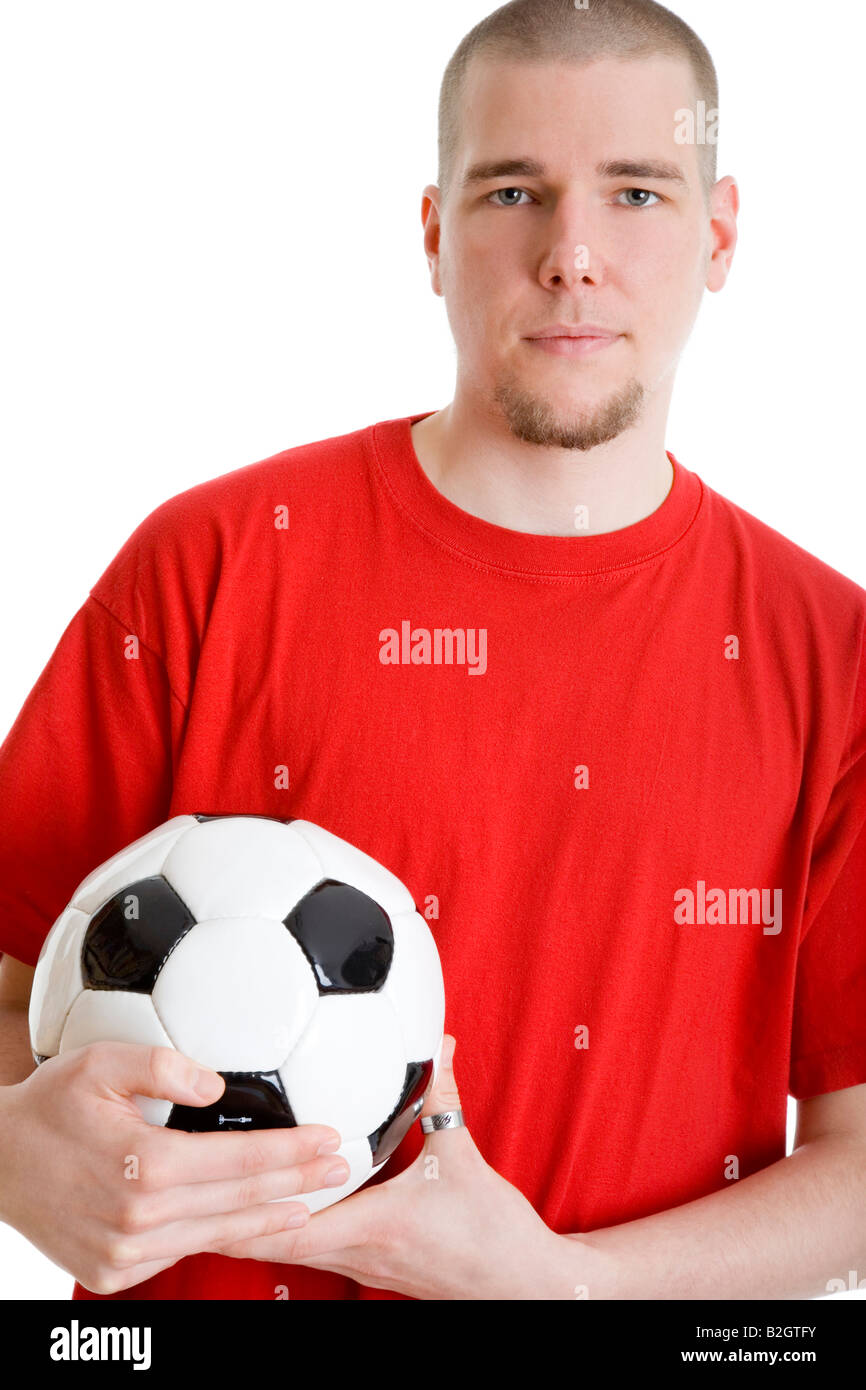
<point>581,342</point>
<point>583,330</point>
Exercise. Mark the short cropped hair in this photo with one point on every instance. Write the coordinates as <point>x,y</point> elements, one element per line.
<point>548,31</point>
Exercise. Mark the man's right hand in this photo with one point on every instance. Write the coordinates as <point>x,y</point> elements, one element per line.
<point>72,1140</point>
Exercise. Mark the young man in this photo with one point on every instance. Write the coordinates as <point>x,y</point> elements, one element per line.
<point>632,803</point>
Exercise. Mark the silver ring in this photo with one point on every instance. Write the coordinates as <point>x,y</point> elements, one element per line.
<point>448,1119</point>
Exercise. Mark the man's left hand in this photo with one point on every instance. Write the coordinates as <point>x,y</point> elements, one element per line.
<point>447,1227</point>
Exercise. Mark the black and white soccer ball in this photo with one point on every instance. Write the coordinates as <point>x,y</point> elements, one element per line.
<point>270,950</point>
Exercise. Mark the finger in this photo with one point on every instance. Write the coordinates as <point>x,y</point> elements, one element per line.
<point>181,1238</point>
<point>139,1273</point>
<point>173,1158</point>
<point>350,1263</point>
<point>205,1199</point>
<point>338,1228</point>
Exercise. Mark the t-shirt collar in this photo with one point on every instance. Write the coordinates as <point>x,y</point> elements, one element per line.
<point>482,542</point>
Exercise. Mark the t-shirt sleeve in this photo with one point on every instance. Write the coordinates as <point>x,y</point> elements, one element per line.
<point>86,768</point>
<point>828,1042</point>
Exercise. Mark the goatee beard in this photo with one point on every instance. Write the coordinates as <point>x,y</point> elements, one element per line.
<point>532,419</point>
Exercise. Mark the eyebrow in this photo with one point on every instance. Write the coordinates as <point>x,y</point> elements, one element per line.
<point>659,170</point>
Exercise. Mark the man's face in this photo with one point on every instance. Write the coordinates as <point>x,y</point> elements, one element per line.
<point>521,252</point>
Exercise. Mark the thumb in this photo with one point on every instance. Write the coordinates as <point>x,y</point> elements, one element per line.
<point>443,1094</point>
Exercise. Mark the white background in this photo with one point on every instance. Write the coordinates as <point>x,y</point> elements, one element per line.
<point>212,251</point>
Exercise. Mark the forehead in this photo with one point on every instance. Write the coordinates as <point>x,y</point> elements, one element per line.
<point>575,114</point>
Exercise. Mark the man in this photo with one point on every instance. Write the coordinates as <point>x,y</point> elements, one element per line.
<point>630,800</point>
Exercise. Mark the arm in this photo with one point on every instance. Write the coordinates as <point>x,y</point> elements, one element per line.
<point>450,1227</point>
<point>16,1059</point>
<point>780,1233</point>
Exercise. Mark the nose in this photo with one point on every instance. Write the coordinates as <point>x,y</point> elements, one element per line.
<point>571,254</point>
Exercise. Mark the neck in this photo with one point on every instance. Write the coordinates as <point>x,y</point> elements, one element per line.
<point>476,462</point>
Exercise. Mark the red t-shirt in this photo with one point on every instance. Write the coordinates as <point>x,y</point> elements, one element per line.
<point>705,673</point>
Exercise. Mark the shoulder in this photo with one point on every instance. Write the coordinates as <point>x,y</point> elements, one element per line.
<point>225,502</point>
<point>783,574</point>
<point>167,572</point>
<point>198,529</point>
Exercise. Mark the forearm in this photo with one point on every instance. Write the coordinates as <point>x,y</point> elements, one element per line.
<point>780,1233</point>
<point>16,1059</point>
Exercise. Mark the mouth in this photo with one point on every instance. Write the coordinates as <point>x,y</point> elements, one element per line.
<point>560,345</point>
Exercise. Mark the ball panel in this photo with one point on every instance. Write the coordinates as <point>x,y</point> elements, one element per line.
<point>415,986</point>
<point>251,1100</point>
<point>153,1109</point>
<point>57,981</point>
<point>236,994</point>
<point>142,858</point>
<point>348,864</point>
<point>384,1140</point>
<point>349,1066</point>
<point>241,866</point>
<point>346,937</point>
<point>132,935</point>
<point>100,1015</point>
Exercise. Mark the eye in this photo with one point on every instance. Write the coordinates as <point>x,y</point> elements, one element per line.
<point>644,193</point>
<point>520,191</point>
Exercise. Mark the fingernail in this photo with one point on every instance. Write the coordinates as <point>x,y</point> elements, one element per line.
<point>330,1146</point>
<point>336,1176</point>
<point>300,1218</point>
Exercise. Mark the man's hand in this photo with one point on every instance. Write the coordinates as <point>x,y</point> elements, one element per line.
<point>447,1227</point>
<point>113,1199</point>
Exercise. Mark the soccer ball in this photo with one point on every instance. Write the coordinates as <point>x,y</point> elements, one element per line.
<point>270,950</point>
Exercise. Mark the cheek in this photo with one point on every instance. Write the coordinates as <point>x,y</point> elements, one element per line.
<point>479,289</point>
<point>491,257</point>
<point>665,284</point>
